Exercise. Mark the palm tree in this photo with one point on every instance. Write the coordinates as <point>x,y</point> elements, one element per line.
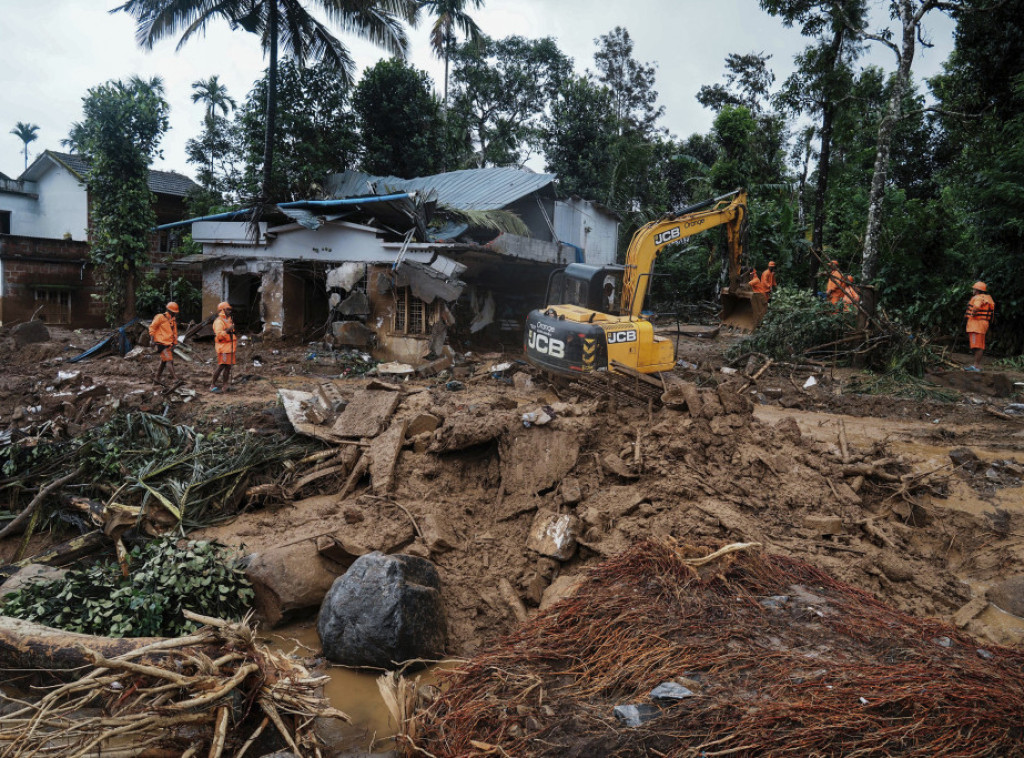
<point>450,14</point>
<point>26,133</point>
<point>286,23</point>
<point>214,96</point>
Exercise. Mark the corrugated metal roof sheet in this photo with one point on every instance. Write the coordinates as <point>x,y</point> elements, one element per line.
<point>161,182</point>
<point>480,189</point>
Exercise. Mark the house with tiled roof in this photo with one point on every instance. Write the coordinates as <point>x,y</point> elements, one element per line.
<point>44,239</point>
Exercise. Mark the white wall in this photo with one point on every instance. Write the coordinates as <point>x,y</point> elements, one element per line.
<point>581,223</point>
<point>61,207</point>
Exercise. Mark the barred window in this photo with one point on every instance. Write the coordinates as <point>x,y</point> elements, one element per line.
<point>56,306</point>
<point>412,315</point>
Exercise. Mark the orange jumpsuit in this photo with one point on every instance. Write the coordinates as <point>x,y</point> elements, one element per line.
<point>768,279</point>
<point>834,288</point>
<point>224,336</point>
<point>979,314</point>
<point>850,294</point>
<point>164,331</point>
<point>757,284</point>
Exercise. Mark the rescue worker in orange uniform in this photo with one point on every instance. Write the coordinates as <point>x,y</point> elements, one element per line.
<point>768,278</point>
<point>163,331</point>
<point>227,343</point>
<point>979,314</point>
<point>756,283</point>
<point>850,296</point>
<point>834,287</point>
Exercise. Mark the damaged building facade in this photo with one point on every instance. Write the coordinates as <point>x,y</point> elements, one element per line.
<point>397,266</point>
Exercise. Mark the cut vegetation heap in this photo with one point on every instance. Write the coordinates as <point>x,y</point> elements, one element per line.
<point>774,658</point>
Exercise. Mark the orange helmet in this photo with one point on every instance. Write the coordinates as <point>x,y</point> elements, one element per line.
<point>172,307</point>
<point>771,264</point>
<point>980,286</point>
<point>835,263</point>
<point>222,306</point>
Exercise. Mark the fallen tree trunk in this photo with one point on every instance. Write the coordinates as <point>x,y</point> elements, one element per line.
<point>25,645</point>
<point>63,554</point>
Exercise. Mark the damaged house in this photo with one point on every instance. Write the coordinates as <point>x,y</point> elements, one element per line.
<point>395,266</point>
<point>44,240</point>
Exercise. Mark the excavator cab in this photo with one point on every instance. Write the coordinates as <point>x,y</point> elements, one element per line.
<point>596,288</point>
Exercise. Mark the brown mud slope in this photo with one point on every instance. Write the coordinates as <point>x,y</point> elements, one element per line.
<point>776,658</point>
<point>472,493</point>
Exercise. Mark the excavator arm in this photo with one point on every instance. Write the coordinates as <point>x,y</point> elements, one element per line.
<point>651,239</point>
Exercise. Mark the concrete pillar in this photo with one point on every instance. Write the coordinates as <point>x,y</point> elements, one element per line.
<point>272,299</point>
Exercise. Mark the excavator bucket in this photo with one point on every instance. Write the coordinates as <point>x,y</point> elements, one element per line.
<point>743,310</point>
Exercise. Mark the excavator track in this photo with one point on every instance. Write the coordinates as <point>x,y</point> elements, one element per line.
<point>626,385</point>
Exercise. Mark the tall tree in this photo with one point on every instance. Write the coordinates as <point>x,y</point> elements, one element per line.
<point>502,89</point>
<point>630,82</point>
<point>214,96</point>
<point>909,14</point>
<point>400,122</point>
<point>26,133</point>
<point>450,16</point>
<point>120,135</point>
<point>821,83</point>
<point>315,135</point>
<point>579,137</point>
<point>287,24</point>
<point>213,143</point>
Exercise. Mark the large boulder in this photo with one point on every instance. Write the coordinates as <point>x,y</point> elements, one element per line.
<point>29,333</point>
<point>385,609</point>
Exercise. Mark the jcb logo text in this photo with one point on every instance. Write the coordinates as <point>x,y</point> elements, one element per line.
<point>627,336</point>
<point>667,236</point>
<point>541,343</point>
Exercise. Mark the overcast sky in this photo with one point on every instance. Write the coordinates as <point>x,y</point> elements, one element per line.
<point>54,50</point>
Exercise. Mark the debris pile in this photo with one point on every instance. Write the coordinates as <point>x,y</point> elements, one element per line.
<point>216,692</point>
<point>672,649</point>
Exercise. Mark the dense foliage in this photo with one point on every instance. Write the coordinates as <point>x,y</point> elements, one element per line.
<point>937,166</point>
<point>120,133</point>
<point>164,577</point>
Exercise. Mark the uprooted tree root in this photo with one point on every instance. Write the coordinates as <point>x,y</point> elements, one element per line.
<point>216,692</point>
<point>784,661</point>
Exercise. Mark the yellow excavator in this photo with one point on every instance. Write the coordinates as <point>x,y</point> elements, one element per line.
<point>598,322</point>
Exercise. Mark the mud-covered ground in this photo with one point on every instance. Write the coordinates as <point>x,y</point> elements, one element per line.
<point>862,486</point>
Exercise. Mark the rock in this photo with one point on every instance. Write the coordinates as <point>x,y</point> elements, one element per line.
<point>436,535</point>
<point>734,402</point>
<point>670,691</point>
<point>522,381</point>
<point>291,579</point>
<point>33,573</point>
<point>383,453</point>
<point>535,588</point>
<point>570,490</point>
<point>613,464</point>
<point>554,535</point>
<point>353,515</point>
<point>353,333</point>
<point>775,602</point>
<point>965,458</point>
<point>635,715</point>
<point>425,423</point>
<point>339,550</point>
<point>356,304</point>
<point>559,589</point>
<point>30,333</point>
<point>1008,595</point>
<point>385,609</point>
<point>417,549</point>
<point>536,460</point>
<point>824,526</point>
<point>969,612</point>
<point>895,568</point>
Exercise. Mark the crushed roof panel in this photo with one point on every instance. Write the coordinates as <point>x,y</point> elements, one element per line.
<point>480,189</point>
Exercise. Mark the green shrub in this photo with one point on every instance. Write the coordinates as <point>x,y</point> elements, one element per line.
<point>797,320</point>
<point>166,577</point>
